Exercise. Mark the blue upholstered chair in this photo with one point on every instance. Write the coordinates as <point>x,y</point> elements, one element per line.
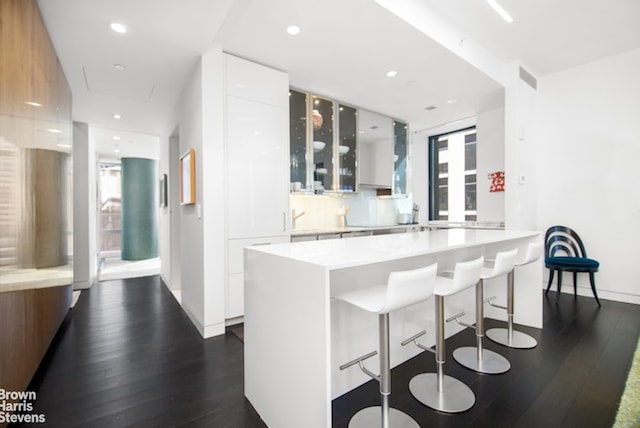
<point>565,252</point>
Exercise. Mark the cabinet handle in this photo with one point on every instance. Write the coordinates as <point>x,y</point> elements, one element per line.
<point>284,221</point>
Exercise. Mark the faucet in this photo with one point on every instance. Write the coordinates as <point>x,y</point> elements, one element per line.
<point>294,217</point>
<point>342,216</point>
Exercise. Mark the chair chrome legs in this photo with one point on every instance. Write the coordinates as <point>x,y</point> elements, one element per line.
<point>477,358</point>
<point>383,415</point>
<point>508,336</point>
<point>436,390</point>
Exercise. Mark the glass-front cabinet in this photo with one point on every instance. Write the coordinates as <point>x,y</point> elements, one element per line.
<point>347,148</point>
<point>340,148</point>
<point>298,139</point>
<point>322,132</point>
<point>323,144</point>
<point>400,157</point>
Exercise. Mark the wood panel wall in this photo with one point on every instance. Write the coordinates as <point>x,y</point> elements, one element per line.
<point>29,320</point>
<point>29,71</point>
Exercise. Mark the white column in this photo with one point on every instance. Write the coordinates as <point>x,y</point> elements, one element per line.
<point>85,212</point>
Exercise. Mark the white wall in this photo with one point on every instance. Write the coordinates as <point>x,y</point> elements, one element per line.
<point>588,154</point>
<point>191,227</point>
<point>520,147</point>
<point>84,208</point>
<point>200,249</point>
<point>490,158</point>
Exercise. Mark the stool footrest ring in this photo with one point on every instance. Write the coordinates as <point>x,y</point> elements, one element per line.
<point>457,317</point>
<point>359,361</point>
<point>414,339</point>
<point>490,302</point>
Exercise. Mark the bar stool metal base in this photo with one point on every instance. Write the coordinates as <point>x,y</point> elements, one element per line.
<point>518,340</point>
<point>370,417</point>
<point>491,362</point>
<point>455,396</point>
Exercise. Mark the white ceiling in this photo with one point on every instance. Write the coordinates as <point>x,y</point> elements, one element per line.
<point>343,51</point>
<point>548,36</point>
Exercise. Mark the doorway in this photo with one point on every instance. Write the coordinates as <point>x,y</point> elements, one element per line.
<point>111,265</point>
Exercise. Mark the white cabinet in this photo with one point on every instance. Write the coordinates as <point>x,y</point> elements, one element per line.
<point>255,82</point>
<point>258,166</point>
<point>235,271</point>
<point>375,153</point>
<point>257,172</point>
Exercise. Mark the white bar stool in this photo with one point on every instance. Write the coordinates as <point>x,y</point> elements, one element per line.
<point>476,357</point>
<point>508,336</point>
<point>402,289</point>
<point>436,390</point>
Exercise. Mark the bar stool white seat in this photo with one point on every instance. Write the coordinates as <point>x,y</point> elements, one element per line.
<point>508,336</point>
<point>402,289</point>
<point>476,357</point>
<point>437,390</point>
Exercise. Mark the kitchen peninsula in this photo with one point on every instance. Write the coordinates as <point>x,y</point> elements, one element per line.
<point>296,335</point>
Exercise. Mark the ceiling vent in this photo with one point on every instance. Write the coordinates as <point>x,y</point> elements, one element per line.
<point>528,78</point>
<point>430,108</point>
<point>118,84</point>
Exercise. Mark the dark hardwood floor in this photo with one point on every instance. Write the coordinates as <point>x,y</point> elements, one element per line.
<point>127,355</point>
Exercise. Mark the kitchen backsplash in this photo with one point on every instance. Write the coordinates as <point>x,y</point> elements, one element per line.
<point>363,209</point>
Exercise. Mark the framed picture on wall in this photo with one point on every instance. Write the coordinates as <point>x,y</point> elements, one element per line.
<point>163,190</point>
<point>188,178</point>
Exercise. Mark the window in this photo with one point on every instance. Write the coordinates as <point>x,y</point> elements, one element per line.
<point>110,207</point>
<point>452,176</point>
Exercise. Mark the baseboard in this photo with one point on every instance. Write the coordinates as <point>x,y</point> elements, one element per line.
<point>205,331</point>
<point>234,321</point>
<point>602,294</point>
<point>81,285</point>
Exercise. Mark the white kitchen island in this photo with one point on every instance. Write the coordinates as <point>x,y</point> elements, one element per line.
<point>296,335</point>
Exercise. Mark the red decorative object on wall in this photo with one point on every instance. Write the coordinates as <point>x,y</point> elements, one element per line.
<point>497,181</point>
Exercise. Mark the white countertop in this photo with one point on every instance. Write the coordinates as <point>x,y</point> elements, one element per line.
<point>347,229</point>
<point>445,224</point>
<point>344,253</point>
<point>26,279</point>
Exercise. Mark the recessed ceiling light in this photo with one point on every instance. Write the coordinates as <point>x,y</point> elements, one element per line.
<point>54,131</point>
<point>117,116</point>
<point>293,30</point>
<point>118,28</point>
<point>119,67</point>
<point>392,73</point>
<point>115,137</point>
<point>66,146</point>
<point>33,103</point>
<point>503,13</point>
<point>452,100</point>
<point>116,150</point>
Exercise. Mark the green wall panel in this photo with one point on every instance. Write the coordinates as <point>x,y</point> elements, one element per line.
<point>139,225</point>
